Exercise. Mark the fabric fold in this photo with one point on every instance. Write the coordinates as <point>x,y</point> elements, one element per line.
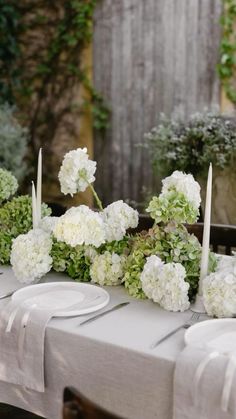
<point>22,335</point>
<point>22,349</point>
<point>201,382</point>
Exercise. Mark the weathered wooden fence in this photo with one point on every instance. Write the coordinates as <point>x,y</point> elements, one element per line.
<point>150,56</point>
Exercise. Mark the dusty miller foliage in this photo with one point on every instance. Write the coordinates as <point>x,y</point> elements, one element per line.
<point>191,146</point>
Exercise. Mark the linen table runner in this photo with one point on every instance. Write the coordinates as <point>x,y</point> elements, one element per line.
<point>204,385</point>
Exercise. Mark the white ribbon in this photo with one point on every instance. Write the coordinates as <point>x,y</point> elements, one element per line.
<point>229,375</point>
<point>198,375</point>
<point>21,337</point>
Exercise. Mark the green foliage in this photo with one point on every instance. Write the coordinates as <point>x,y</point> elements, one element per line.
<point>8,185</point>
<point>191,146</point>
<point>15,219</point>
<point>172,206</point>
<point>119,247</point>
<point>227,66</point>
<point>54,68</point>
<point>171,243</point>
<point>71,260</point>
<point>141,246</point>
<point>75,261</point>
<point>13,142</point>
<point>9,50</point>
<point>100,110</point>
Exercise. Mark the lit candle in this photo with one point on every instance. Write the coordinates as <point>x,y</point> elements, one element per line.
<point>34,209</point>
<point>39,187</point>
<point>206,232</point>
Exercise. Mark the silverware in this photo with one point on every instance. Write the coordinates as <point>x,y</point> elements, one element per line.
<point>97,316</point>
<point>193,319</point>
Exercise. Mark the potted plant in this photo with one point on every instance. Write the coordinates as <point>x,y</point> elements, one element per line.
<point>190,147</point>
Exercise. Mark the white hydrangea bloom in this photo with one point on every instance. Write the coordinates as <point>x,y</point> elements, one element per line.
<point>107,269</point>
<point>227,263</point>
<point>219,288</point>
<point>48,223</point>
<point>165,284</point>
<point>76,171</point>
<point>119,217</point>
<point>150,274</point>
<point>172,290</point>
<point>80,225</point>
<point>219,293</point>
<point>90,253</point>
<point>185,184</point>
<point>30,255</point>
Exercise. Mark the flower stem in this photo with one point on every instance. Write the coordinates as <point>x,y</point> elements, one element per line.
<point>98,201</point>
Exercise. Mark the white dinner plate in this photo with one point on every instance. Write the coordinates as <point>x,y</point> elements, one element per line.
<point>67,298</point>
<point>215,333</point>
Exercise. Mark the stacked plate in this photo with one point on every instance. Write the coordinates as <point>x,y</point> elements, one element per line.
<point>67,298</point>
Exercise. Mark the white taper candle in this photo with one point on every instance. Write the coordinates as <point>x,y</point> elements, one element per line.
<point>39,187</point>
<point>206,232</point>
<point>34,209</point>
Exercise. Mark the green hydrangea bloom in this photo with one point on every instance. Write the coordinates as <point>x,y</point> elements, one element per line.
<point>71,260</point>
<point>15,219</point>
<point>8,185</point>
<point>141,246</point>
<point>172,206</point>
<point>76,262</point>
<point>119,247</point>
<point>172,243</point>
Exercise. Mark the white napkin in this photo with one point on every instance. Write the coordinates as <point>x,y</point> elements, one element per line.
<point>205,380</point>
<point>22,348</point>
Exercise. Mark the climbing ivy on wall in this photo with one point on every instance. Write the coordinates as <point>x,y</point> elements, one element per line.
<point>227,65</point>
<point>41,49</point>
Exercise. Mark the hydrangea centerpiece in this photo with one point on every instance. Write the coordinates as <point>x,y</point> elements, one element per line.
<point>161,264</point>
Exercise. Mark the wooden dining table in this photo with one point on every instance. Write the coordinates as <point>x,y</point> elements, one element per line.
<point>110,360</point>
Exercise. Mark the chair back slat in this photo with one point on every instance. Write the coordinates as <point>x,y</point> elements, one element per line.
<point>215,248</point>
<point>228,250</point>
<point>222,237</point>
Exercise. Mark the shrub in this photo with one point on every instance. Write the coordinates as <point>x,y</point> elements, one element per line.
<point>191,146</point>
<point>13,142</point>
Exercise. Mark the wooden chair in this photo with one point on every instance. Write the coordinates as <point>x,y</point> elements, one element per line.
<point>76,406</point>
<point>12,412</point>
<point>145,222</point>
<point>222,237</point>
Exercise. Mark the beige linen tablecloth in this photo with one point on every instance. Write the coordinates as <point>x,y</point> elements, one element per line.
<point>108,360</point>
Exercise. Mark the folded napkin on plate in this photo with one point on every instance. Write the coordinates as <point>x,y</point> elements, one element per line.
<point>22,348</point>
<point>205,380</point>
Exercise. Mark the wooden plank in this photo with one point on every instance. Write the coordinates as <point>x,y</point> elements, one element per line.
<point>115,156</point>
<point>150,56</point>
<point>145,171</point>
<point>191,56</point>
<point>126,98</point>
<point>215,52</point>
<point>137,98</point>
<point>167,56</point>
<point>180,59</point>
<point>209,37</point>
<point>102,82</point>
